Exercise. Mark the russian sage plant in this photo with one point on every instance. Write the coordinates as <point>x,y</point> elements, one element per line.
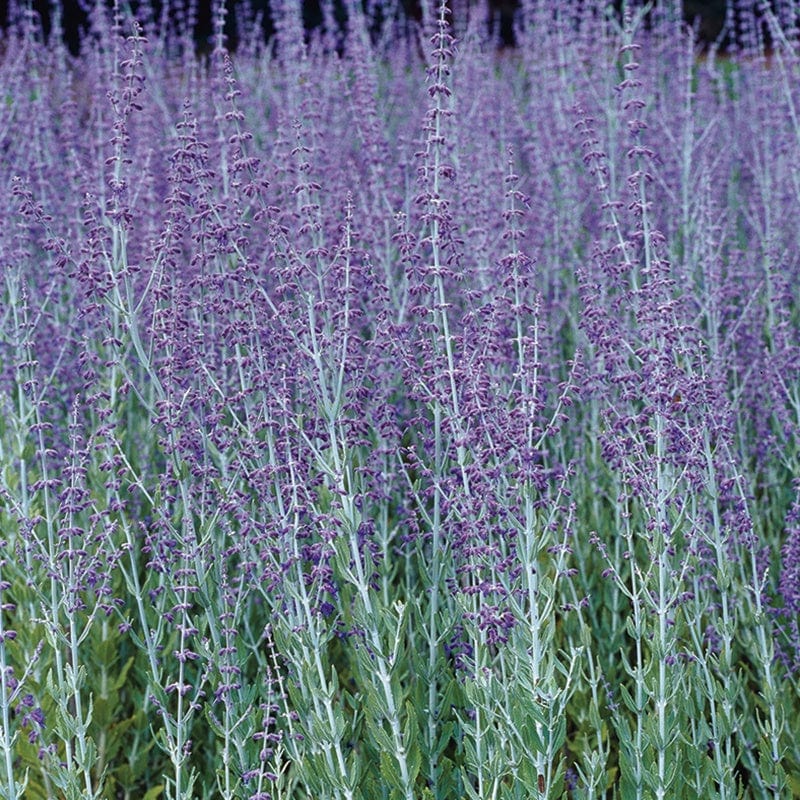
<point>384,415</point>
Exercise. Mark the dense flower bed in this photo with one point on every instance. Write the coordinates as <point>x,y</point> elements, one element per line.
<point>384,417</point>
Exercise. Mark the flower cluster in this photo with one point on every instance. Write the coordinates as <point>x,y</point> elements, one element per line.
<point>385,416</point>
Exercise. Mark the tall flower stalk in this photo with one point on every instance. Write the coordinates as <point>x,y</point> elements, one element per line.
<point>385,416</point>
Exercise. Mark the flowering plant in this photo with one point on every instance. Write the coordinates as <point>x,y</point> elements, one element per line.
<point>387,417</point>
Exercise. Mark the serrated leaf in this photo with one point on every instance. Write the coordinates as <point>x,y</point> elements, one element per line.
<point>380,737</point>
<point>355,768</point>
<point>88,760</point>
<point>673,765</point>
<point>414,763</point>
<point>633,630</point>
<point>410,725</point>
<point>533,740</point>
<point>471,793</point>
<point>470,752</point>
<point>376,703</point>
<point>389,771</point>
<point>559,737</point>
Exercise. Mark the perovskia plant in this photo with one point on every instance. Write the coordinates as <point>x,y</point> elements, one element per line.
<point>385,419</point>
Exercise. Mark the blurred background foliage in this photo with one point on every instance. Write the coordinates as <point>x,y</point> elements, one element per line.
<point>70,16</point>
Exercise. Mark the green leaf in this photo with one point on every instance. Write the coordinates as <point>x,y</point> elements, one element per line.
<point>389,771</point>
<point>410,725</point>
<point>634,630</point>
<point>383,742</point>
<point>123,675</point>
<point>414,762</point>
<point>559,736</point>
<point>466,782</point>
<point>446,736</point>
<point>531,736</point>
<point>630,702</point>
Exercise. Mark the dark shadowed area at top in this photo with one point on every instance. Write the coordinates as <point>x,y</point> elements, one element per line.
<point>706,16</point>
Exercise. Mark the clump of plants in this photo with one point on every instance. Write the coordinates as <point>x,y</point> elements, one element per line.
<point>382,417</point>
